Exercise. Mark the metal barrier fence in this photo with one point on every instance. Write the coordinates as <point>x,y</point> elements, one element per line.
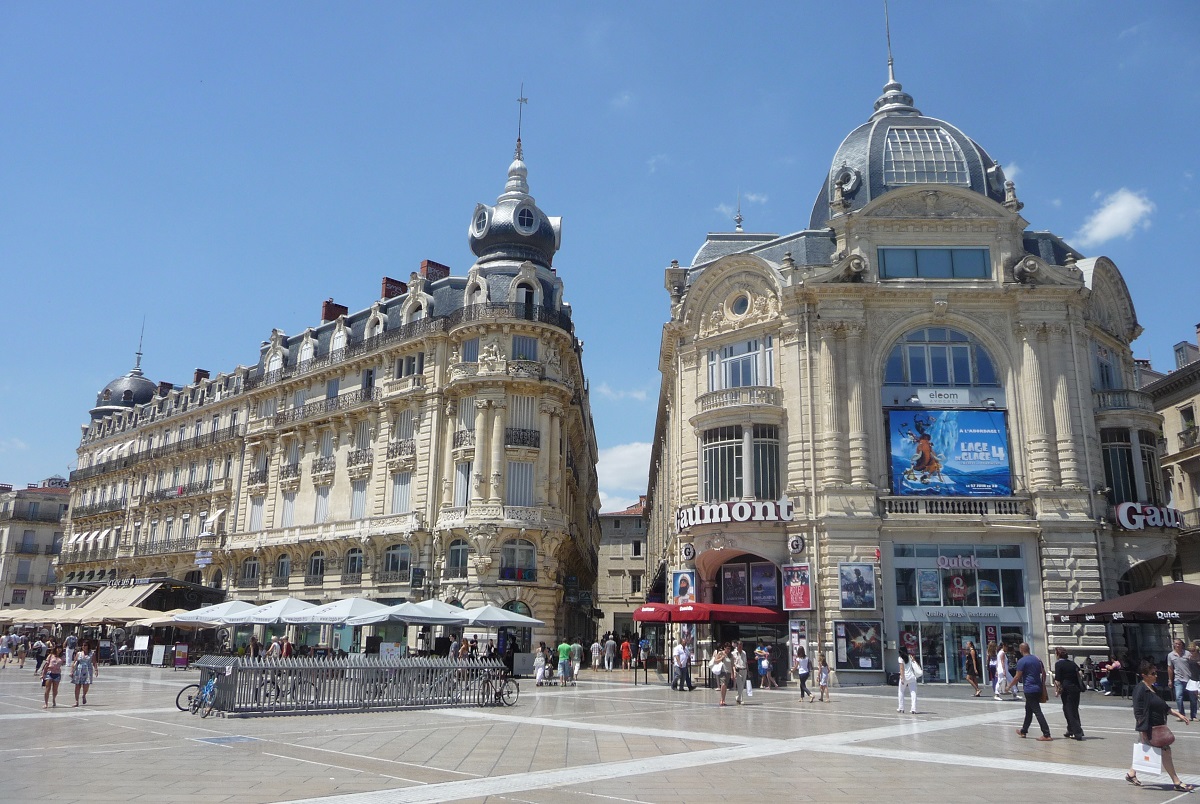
<point>353,684</point>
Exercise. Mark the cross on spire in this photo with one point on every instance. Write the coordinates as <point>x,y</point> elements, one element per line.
<point>521,102</point>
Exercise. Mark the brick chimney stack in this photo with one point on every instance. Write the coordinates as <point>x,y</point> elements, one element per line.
<point>392,288</point>
<point>434,271</point>
<point>331,310</point>
<point>164,388</point>
<point>201,374</point>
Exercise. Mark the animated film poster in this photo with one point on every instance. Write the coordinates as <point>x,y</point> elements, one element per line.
<point>954,453</point>
<point>797,587</point>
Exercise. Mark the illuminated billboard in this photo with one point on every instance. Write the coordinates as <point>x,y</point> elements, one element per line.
<point>952,453</point>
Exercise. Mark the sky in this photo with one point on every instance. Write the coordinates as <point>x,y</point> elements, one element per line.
<point>219,169</point>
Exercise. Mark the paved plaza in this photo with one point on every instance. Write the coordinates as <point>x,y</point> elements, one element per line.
<point>605,740</point>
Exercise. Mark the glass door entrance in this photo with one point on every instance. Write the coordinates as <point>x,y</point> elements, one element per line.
<point>941,648</point>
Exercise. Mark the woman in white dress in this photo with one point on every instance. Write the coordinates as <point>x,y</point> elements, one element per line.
<point>908,681</point>
<point>1002,676</point>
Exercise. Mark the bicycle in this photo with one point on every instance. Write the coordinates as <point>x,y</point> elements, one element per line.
<point>183,701</point>
<point>206,699</point>
<point>499,689</point>
<point>269,692</point>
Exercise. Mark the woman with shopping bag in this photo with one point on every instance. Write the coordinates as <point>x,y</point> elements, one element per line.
<point>910,671</point>
<point>1150,713</point>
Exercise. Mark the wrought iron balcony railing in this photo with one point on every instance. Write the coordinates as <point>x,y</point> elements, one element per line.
<point>518,437</point>
<point>464,438</point>
<point>324,406</point>
<point>98,508</point>
<point>402,449</point>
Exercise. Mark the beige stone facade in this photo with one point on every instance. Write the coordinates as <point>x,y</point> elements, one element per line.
<point>621,582</point>
<point>840,371</point>
<point>436,444</point>
<point>31,535</point>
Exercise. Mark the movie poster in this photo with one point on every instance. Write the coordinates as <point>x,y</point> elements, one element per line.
<point>734,585</point>
<point>797,587</point>
<point>954,453</point>
<point>858,644</point>
<point>683,586</point>
<point>764,584</point>
<point>929,587</point>
<point>857,584</point>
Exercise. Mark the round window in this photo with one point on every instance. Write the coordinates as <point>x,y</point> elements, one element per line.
<point>525,219</point>
<point>481,221</point>
<point>740,305</point>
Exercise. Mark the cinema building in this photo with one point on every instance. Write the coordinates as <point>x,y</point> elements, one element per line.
<point>910,422</point>
<point>437,443</point>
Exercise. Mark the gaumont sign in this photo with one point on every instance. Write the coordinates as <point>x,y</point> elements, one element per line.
<point>1135,516</point>
<point>740,511</point>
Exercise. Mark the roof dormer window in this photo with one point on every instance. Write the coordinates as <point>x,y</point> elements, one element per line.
<point>525,220</point>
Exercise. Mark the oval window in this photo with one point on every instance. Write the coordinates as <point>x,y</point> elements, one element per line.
<point>740,305</point>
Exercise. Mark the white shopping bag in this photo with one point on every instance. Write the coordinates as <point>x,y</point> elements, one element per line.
<point>749,689</point>
<point>1147,759</point>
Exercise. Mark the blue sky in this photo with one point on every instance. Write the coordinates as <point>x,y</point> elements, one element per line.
<point>222,168</point>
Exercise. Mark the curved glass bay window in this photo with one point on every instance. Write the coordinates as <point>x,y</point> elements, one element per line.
<point>732,454</point>
<point>939,356</point>
<point>742,364</point>
<point>518,561</point>
<point>1131,468</point>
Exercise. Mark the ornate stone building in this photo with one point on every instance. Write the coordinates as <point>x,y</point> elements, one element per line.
<point>31,535</point>
<point>438,443</point>
<point>621,583</point>
<point>908,422</point>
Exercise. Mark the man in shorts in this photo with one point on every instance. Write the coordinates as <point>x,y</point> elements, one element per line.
<point>576,660</point>
<point>564,662</point>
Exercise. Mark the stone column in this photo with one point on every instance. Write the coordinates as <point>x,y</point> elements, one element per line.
<point>446,481</point>
<point>748,461</point>
<point>557,467</point>
<point>860,472</point>
<point>482,436</point>
<point>1042,469</point>
<point>497,467</point>
<point>1064,425</point>
<point>542,482</point>
<point>829,440</point>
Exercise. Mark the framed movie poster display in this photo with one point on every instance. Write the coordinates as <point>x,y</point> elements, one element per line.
<point>858,645</point>
<point>857,584</point>
<point>683,586</point>
<point>764,584</point>
<point>797,587</point>
<point>929,587</point>
<point>734,584</point>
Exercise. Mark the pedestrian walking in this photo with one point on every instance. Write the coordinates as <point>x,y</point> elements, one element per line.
<point>1150,713</point>
<point>822,680</point>
<point>762,656</point>
<point>51,676</point>
<point>971,667</point>
<point>1003,681</point>
<point>597,651</point>
<point>40,651</point>
<point>5,650</point>
<point>1179,673</point>
<point>1068,686</point>
<point>1031,675</point>
<point>626,653</point>
<point>83,671</point>
<point>803,672</point>
<point>564,663</point>
<point>908,681</point>
<point>681,658</point>
<point>722,664</point>
<point>22,651</point>
<point>610,653</point>
<point>576,659</point>
<point>739,660</point>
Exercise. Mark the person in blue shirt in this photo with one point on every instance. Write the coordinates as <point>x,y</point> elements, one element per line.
<point>1031,674</point>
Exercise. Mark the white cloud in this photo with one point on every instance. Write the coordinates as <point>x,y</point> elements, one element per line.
<point>1056,203</point>
<point>1120,215</point>
<point>1131,31</point>
<point>621,100</point>
<point>656,160</point>
<point>1011,171</point>
<point>622,473</point>
<point>725,210</point>
<point>609,393</point>
<point>755,198</point>
<point>12,445</point>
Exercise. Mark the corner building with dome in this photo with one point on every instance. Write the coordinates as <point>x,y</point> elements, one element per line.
<point>438,443</point>
<point>909,423</point>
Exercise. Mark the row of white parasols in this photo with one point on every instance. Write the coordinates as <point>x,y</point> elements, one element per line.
<point>353,611</point>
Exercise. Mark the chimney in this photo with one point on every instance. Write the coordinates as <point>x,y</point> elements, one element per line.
<point>392,288</point>
<point>201,374</point>
<point>31,485</point>
<point>164,388</point>
<point>434,271</point>
<point>331,310</point>
<point>5,487</point>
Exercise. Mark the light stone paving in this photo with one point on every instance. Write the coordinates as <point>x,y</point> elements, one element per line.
<point>605,740</point>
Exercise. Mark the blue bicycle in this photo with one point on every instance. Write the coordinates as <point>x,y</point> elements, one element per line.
<point>204,700</point>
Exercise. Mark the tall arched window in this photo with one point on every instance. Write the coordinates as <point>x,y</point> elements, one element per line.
<point>518,561</point>
<point>283,566</point>
<point>456,559</point>
<point>397,563</point>
<point>354,562</point>
<point>250,571</point>
<point>316,566</point>
<point>939,357</point>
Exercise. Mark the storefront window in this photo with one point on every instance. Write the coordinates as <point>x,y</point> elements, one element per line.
<point>958,587</point>
<point>1012,583</point>
<point>906,587</point>
<point>989,587</point>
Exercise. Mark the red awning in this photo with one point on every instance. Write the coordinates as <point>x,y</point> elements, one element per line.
<point>706,613</point>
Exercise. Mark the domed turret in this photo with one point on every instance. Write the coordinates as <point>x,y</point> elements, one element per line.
<point>515,229</point>
<point>899,147</point>
<point>124,392</point>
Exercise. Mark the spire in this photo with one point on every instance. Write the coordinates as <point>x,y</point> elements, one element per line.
<point>517,185</point>
<point>137,365</point>
<point>521,102</point>
<point>737,218</point>
<point>894,99</point>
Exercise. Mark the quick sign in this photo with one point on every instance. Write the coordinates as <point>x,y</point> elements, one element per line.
<point>1135,516</point>
<point>741,511</point>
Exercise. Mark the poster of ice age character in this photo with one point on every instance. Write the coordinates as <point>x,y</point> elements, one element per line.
<point>764,589</point>
<point>797,587</point>
<point>955,453</point>
<point>683,587</point>
<point>857,584</point>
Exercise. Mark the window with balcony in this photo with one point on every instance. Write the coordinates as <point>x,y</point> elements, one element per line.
<point>1151,472</point>
<point>462,484</point>
<point>250,571</point>
<point>401,492</point>
<point>316,566</point>
<point>742,364</point>
<point>397,560</point>
<point>729,459</point>
<point>939,356</point>
<point>524,348</point>
<point>470,350</point>
<point>358,499</point>
<point>256,514</point>
<point>354,562</point>
<point>321,513</point>
<point>1117,451</point>
<point>456,559</point>
<point>412,364</point>
<point>1107,371</point>
<point>283,566</point>
<point>518,561</point>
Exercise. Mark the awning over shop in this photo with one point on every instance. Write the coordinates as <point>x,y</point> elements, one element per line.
<point>1172,603</point>
<point>108,599</point>
<point>706,613</point>
<point>654,613</point>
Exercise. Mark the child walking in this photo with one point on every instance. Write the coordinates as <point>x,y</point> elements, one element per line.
<point>822,680</point>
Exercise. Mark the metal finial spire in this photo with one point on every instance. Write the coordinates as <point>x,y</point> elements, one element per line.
<point>137,366</point>
<point>887,27</point>
<point>521,101</point>
<point>737,218</point>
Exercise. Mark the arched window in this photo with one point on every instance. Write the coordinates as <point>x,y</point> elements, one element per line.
<point>250,570</point>
<point>306,352</point>
<point>456,559</point>
<point>397,563</point>
<point>283,566</point>
<point>354,562</point>
<point>941,357</point>
<point>418,312</point>
<point>218,579</point>
<point>337,341</point>
<point>518,561</point>
<point>526,299</point>
<point>316,565</point>
<point>193,576</point>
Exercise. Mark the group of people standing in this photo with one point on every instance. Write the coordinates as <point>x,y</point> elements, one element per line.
<point>79,658</point>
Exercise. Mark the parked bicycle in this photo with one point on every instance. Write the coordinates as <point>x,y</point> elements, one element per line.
<point>499,688</point>
<point>183,701</point>
<point>280,687</point>
<point>204,700</point>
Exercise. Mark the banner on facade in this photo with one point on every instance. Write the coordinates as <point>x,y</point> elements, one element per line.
<point>683,586</point>
<point>735,585</point>
<point>857,584</point>
<point>764,584</point>
<point>858,645</point>
<point>956,453</point>
<point>797,587</point>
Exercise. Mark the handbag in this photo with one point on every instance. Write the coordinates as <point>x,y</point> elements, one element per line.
<point>916,669</point>
<point>1161,737</point>
<point>1045,698</point>
<point>749,689</point>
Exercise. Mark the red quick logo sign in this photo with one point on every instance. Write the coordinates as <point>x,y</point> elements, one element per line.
<point>1135,516</point>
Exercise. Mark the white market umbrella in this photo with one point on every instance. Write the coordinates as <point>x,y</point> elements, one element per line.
<point>214,614</point>
<point>270,614</point>
<point>427,612</point>
<point>495,617</point>
<point>161,619</point>
<point>336,612</point>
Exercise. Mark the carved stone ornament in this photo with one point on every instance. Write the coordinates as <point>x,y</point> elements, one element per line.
<point>931,204</point>
<point>762,308</point>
